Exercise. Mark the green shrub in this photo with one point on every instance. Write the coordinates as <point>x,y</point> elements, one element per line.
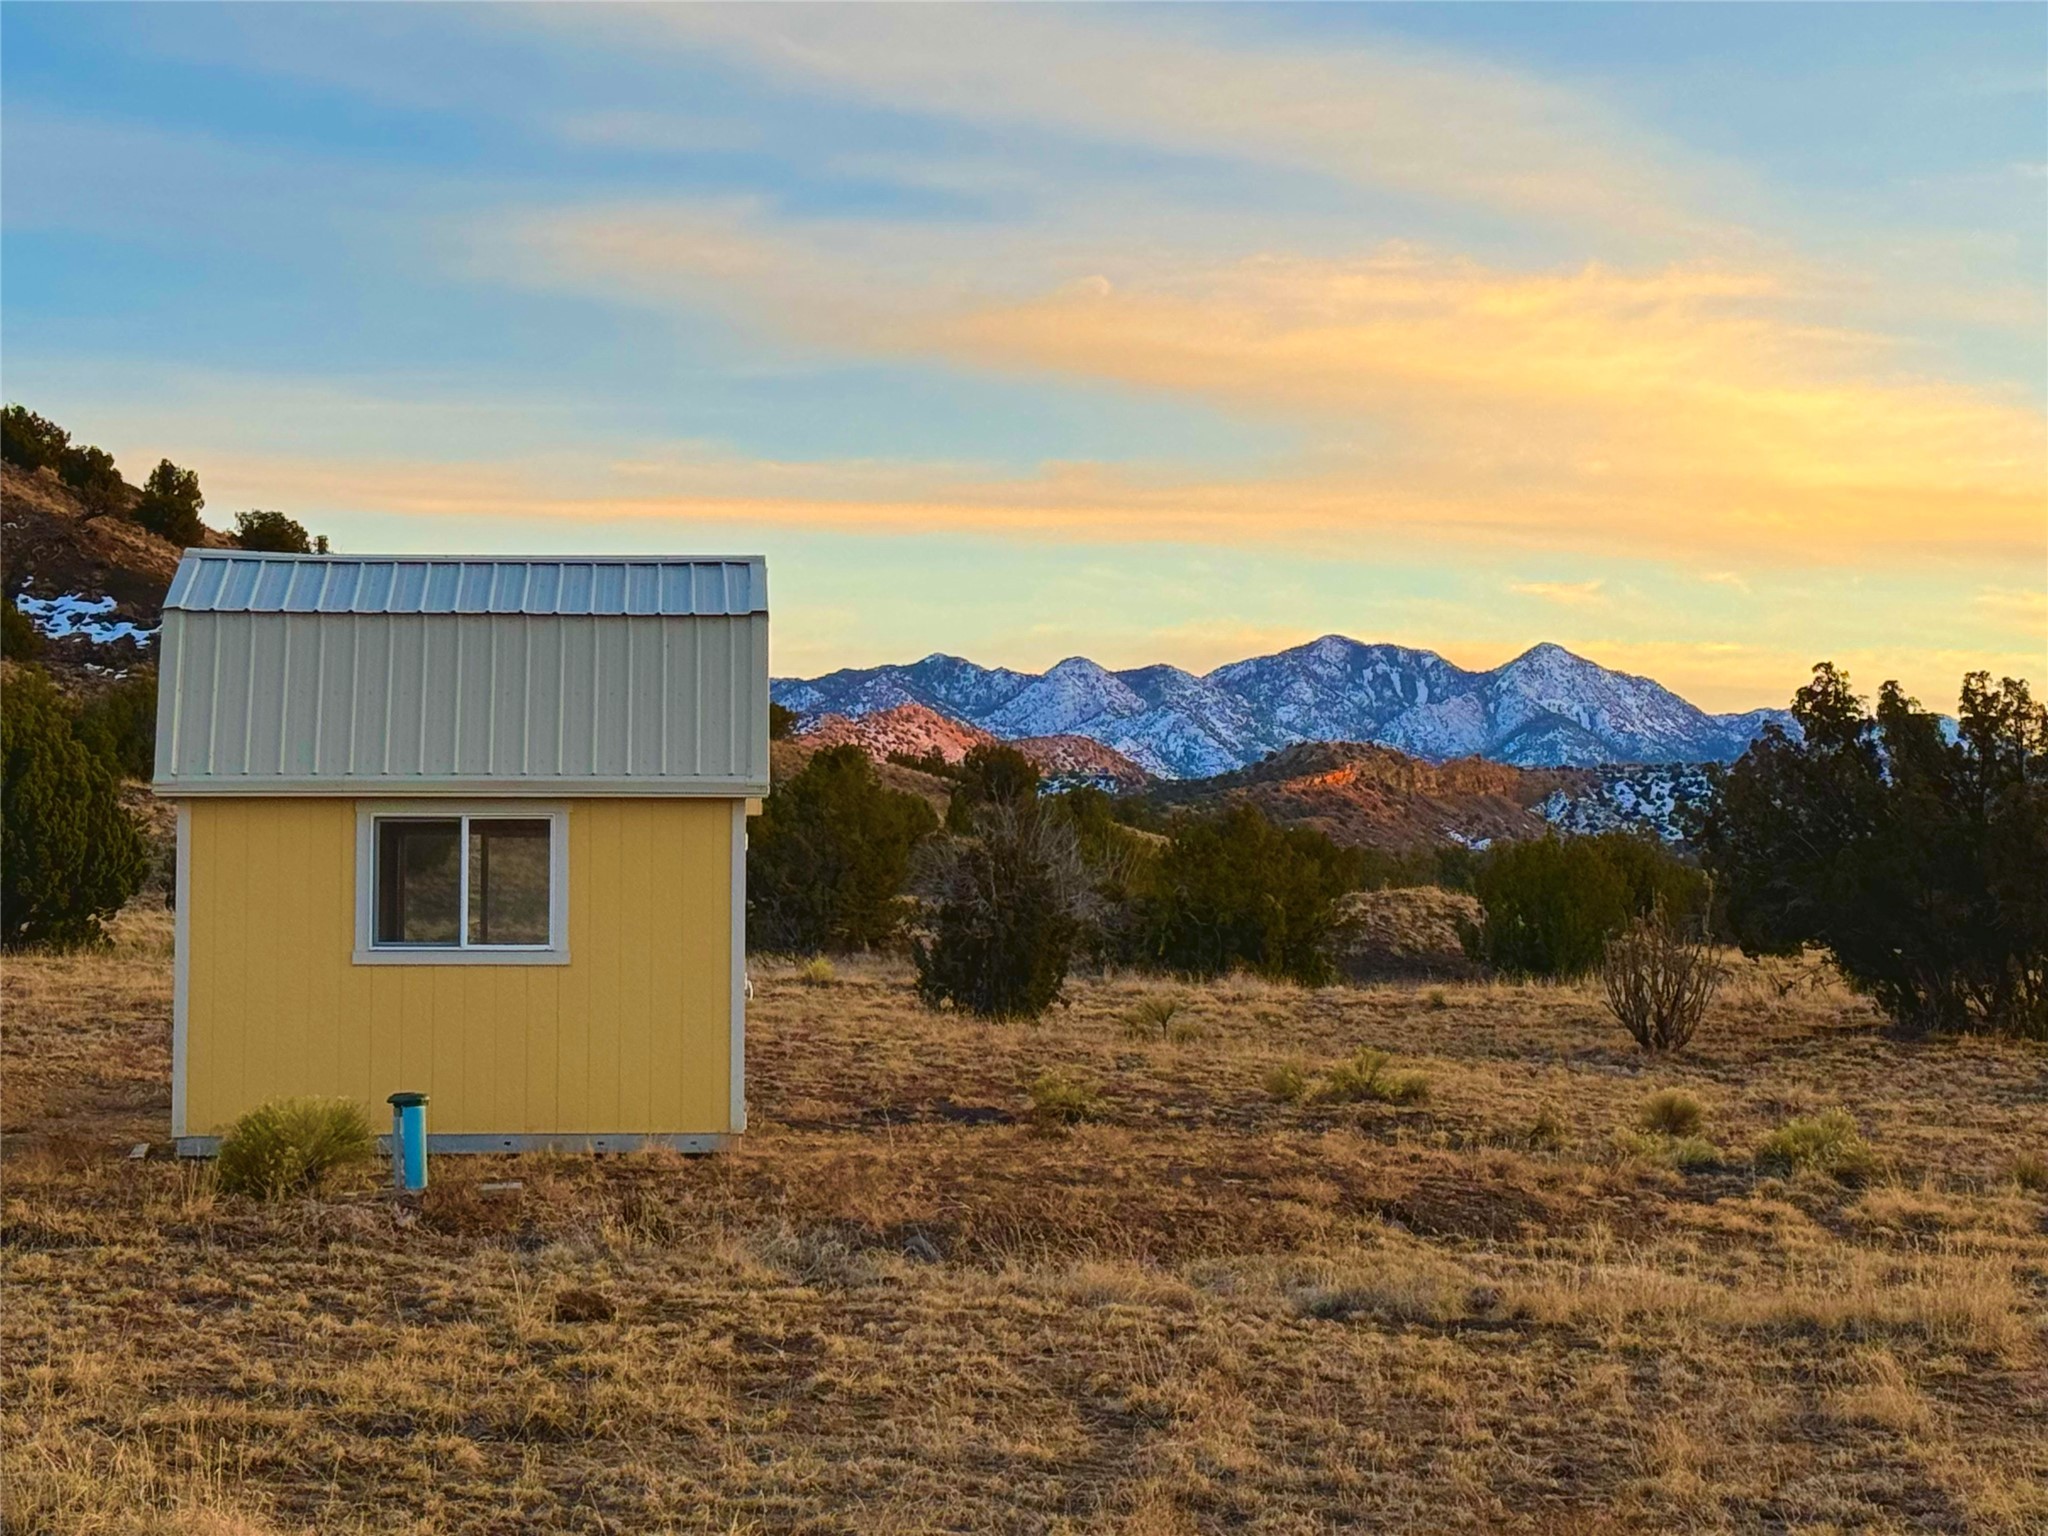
<point>170,504</point>
<point>119,725</point>
<point>1673,1112</point>
<point>288,1146</point>
<point>274,533</point>
<point>1827,1143</point>
<point>1236,890</point>
<point>1915,858</point>
<point>1058,1100</point>
<point>782,721</point>
<point>1009,916</point>
<point>1552,903</point>
<point>20,640</point>
<point>70,854</point>
<point>828,857</point>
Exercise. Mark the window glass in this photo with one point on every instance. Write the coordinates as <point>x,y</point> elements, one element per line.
<point>419,881</point>
<point>508,881</point>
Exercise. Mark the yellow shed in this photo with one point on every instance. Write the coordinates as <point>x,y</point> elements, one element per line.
<point>472,828</point>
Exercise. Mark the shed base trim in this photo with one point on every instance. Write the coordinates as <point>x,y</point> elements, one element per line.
<point>623,1141</point>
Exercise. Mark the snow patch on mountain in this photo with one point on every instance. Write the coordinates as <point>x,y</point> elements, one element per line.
<point>1654,798</point>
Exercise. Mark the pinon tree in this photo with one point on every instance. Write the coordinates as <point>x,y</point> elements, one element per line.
<point>170,504</point>
<point>70,855</point>
<point>829,855</point>
<point>1236,890</point>
<point>1011,904</point>
<point>1913,854</point>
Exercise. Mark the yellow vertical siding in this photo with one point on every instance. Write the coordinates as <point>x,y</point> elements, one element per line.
<point>632,1035</point>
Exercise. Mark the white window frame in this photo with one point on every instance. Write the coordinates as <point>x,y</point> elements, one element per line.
<point>369,952</point>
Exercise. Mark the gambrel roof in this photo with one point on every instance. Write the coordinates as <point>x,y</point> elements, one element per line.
<point>399,675</point>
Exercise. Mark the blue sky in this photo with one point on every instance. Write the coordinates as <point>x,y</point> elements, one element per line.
<point>1706,340</point>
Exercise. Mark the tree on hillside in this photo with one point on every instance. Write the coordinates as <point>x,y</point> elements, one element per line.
<point>170,504</point>
<point>1917,860</point>
<point>29,441</point>
<point>781,721</point>
<point>1009,914</point>
<point>1236,890</point>
<point>70,855</point>
<point>274,533</point>
<point>91,474</point>
<point>828,857</point>
<point>990,774</point>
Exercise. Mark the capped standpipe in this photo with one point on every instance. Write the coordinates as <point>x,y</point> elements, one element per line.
<point>409,1140</point>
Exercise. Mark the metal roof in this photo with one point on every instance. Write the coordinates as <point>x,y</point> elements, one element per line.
<point>235,581</point>
<point>395,674</point>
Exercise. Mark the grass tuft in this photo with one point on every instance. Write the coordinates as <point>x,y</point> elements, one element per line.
<point>1059,1100</point>
<point>1365,1076</point>
<point>1287,1082</point>
<point>1672,1112</point>
<point>289,1146</point>
<point>1828,1143</point>
<point>817,971</point>
<point>2030,1172</point>
<point>1152,1017</point>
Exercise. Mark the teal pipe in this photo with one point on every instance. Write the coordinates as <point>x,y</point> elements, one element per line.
<point>409,1140</point>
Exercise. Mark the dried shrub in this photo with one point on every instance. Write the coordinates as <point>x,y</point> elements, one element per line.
<point>1547,1131</point>
<point>1659,974</point>
<point>1828,1143</point>
<point>288,1146</point>
<point>818,971</point>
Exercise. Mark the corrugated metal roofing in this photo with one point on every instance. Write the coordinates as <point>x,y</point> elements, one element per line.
<point>231,581</point>
<point>396,675</point>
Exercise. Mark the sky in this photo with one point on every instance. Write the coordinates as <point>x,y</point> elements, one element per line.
<point>1708,341</point>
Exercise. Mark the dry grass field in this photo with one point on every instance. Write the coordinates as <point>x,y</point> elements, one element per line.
<point>911,1303</point>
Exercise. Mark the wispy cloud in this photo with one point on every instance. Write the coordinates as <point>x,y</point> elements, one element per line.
<point>1389,115</point>
<point>2025,609</point>
<point>1687,409</point>
<point>1573,594</point>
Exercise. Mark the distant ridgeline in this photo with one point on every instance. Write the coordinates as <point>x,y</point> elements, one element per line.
<point>1546,708</point>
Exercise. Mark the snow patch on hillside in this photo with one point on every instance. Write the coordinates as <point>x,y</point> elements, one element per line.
<point>61,617</point>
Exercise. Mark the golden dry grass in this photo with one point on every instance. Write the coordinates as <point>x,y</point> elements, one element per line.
<point>907,1304</point>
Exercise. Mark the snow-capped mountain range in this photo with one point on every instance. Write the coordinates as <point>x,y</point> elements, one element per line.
<point>1545,708</point>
